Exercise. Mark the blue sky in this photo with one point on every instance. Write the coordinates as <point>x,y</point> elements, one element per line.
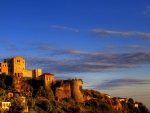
<point>106,43</point>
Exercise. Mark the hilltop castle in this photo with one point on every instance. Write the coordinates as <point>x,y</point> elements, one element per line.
<point>16,66</point>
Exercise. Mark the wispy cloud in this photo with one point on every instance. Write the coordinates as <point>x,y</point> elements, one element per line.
<point>13,47</point>
<point>127,47</point>
<point>121,82</point>
<point>102,32</point>
<point>5,41</point>
<point>147,11</point>
<point>65,28</point>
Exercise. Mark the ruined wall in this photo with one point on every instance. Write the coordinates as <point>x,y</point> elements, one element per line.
<point>75,90</point>
<point>63,92</point>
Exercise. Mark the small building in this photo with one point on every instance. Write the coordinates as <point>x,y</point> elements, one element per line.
<point>48,79</point>
<point>123,100</point>
<point>136,105</point>
<point>3,68</point>
<point>107,95</point>
<point>5,105</point>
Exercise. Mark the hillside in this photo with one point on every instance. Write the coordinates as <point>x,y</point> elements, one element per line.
<point>64,96</point>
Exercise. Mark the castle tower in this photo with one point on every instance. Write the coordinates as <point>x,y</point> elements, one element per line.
<point>3,68</point>
<point>76,87</point>
<point>9,64</point>
<point>18,64</point>
<point>37,72</point>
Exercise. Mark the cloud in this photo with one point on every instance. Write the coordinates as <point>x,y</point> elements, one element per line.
<point>13,47</point>
<point>121,82</point>
<point>147,11</point>
<point>5,41</point>
<point>128,48</point>
<point>81,61</point>
<point>102,32</point>
<point>71,60</point>
<point>65,28</point>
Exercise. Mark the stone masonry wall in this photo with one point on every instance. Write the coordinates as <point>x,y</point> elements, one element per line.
<point>63,91</point>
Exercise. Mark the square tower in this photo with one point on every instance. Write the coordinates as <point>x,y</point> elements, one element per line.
<point>18,65</point>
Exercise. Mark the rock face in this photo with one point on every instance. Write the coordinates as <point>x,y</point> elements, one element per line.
<point>76,93</point>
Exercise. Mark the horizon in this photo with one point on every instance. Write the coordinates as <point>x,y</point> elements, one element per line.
<point>106,43</point>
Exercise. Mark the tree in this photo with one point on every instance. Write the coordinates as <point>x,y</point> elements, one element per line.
<point>2,81</point>
<point>48,106</point>
<point>45,92</point>
<point>31,103</point>
<point>130,100</point>
<point>9,82</point>
<point>3,95</point>
<point>16,105</point>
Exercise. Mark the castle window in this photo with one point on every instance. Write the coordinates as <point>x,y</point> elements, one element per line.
<point>18,60</point>
<point>0,70</point>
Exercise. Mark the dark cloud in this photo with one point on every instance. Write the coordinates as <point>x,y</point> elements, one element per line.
<point>90,61</point>
<point>121,82</point>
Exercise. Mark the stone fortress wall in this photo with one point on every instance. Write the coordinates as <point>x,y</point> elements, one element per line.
<point>70,89</point>
<point>63,91</point>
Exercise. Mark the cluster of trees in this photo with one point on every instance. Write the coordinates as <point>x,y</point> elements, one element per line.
<point>6,82</point>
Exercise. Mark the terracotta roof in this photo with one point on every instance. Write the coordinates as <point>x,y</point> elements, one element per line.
<point>49,74</point>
